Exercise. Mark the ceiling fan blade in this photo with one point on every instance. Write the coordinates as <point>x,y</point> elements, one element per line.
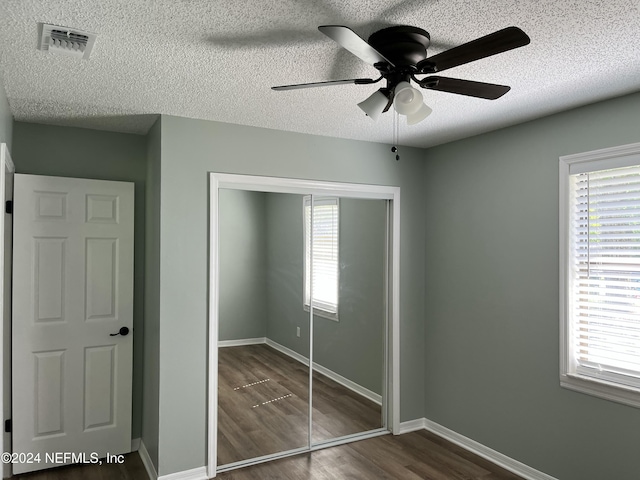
<point>490,91</point>
<point>350,40</point>
<point>492,44</point>
<point>357,81</point>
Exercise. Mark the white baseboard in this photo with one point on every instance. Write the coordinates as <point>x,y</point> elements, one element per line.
<point>508,463</point>
<point>241,341</point>
<point>345,382</point>
<point>146,461</point>
<point>199,473</point>
<point>412,426</point>
<point>135,444</point>
<point>288,352</point>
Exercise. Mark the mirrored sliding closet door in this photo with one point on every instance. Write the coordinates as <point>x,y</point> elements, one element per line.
<point>349,316</point>
<point>303,307</point>
<point>263,384</point>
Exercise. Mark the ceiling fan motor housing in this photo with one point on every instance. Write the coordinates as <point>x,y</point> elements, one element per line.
<point>404,46</point>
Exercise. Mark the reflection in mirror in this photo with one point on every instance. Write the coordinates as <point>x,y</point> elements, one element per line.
<point>263,377</point>
<point>349,255</point>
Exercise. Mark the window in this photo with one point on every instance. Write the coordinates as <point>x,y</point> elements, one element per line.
<point>600,273</point>
<point>321,245</point>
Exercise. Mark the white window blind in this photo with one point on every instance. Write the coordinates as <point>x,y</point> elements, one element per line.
<point>604,288</point>
<point>325,253</point>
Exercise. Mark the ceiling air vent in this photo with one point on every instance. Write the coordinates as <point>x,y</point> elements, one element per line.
<point>65,40</point>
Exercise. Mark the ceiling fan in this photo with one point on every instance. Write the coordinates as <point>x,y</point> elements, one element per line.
<point>399,53</point>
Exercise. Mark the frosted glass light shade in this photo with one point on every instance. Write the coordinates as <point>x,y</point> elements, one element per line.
<point>407,100</point>
<point>422,113</point>
<point>374,105</point>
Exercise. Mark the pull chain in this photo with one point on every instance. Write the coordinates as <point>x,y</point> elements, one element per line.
<point>395,134</point>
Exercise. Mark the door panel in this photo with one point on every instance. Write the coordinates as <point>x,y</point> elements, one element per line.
<point>99,387</point>
<point>49,418</point>
<point>73,289</point>
<point>263,373</point>
<point>100,277</point>
<point>349,349</point>
<point>49,279</point>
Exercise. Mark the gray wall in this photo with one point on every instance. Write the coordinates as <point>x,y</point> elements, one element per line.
<point>151,350</point>
<point>243,258</point>
<point>491,297</point>
<point>353,346</point>
<point>6,119</point>
<point>190,149</point>
<point>77,152</point>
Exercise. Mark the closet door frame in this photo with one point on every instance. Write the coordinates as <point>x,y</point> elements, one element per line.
<point>305,187</point>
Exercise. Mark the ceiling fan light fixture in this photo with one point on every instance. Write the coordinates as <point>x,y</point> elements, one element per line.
<point>423,112</point>
<point>374,105</point>
<point>407,100</point>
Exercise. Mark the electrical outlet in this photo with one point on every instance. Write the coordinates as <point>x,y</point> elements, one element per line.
<point>298,332</point>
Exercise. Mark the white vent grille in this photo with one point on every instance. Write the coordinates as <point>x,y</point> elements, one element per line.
<point>68,41</point>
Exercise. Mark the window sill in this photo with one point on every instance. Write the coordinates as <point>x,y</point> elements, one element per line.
<point>602,389</point>
<point>318,312</point>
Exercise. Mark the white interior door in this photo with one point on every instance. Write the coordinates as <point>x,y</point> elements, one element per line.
<point>72,290</point>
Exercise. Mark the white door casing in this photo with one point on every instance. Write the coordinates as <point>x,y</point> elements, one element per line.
<point>72,289</point>
<point>6,235</point>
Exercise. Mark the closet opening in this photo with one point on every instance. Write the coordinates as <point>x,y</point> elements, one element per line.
<point>303,316</point>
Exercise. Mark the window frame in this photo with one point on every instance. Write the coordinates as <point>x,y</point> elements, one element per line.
<point>318,310</point>
<point>570,377</point>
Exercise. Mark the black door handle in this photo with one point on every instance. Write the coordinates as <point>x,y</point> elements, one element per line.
<point>124,331</point>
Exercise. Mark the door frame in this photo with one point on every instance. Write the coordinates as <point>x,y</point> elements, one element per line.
<point>6,168</point>
<point>306,187</point>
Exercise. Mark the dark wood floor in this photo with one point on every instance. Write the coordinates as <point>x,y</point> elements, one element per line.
<point>263,405</point>
<point>131,469</point>
<point>412,456</point>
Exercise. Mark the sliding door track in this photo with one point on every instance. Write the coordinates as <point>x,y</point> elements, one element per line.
<point>297,451</point>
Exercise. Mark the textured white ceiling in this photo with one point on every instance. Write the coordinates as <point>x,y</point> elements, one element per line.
<point>216,60</point>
